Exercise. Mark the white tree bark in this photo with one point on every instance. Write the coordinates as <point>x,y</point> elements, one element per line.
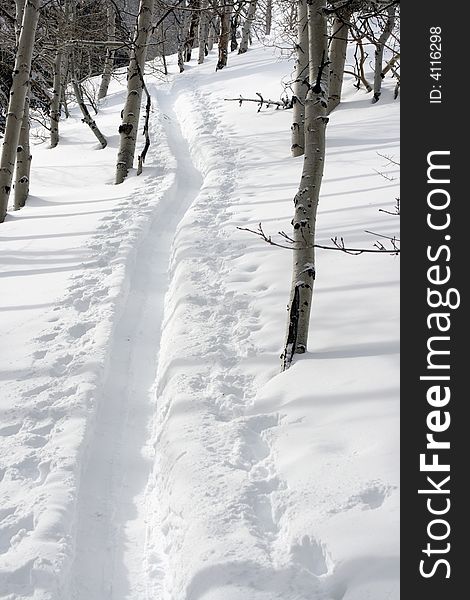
<point>63,93</point>
<point>212,36</point>
<point>246,29</point>
<point>301,81</point>
<point>182,32</point>
<point>19,8</point>
<point>193,26</point>
<point>18,91</point>
<point>203,31</point>
<point>23,159</point>
<point>56,98</point>
<point>379,52</point>
<point>109,60</point>
<point>234,22</point>
<point>23,153</point>
<point>131,112</point>
<point>269,16</point>
<point>338,48</point>
<point>306,199</point>
<point>224,37</point>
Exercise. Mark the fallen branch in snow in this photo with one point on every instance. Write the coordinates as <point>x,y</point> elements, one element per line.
<point>338,244</point>
<point>284,103</point>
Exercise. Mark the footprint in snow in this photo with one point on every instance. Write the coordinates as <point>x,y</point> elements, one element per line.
<point>370,498</point>
<point>312,555</point>
<point>79,330</point>
<point>12,429</point>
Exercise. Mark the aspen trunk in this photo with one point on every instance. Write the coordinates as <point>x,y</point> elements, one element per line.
<point>23,160</point>
<point>224,35</point>
<point>86,115</point>
<point>202,33</point>
<point>135,72</point>
<point>306,199</point>
<point>212,36</point>
<point>56,97</point>
<point>109,60</point>
<point>193,29</point>
<point>19,8</point>
<point>18,91</point>
<point>23,153</point>
<point>301,81</point>
<point>246,29</point>
<point>63,95</point>
<point>338,47</point>
<point>182,34</point>
<point>162,37</point>
<point>233,33</point>
<point>269,16</point>
<point>379,52</point>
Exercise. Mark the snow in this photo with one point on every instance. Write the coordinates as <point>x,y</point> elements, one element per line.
<point>150,447</point>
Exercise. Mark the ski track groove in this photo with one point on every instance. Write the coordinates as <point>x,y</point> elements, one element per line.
<point>114,569</point>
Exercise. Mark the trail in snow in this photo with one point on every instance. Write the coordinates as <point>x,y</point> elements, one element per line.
<point>111,525</point>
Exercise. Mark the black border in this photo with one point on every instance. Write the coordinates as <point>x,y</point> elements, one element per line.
<point>427,127</point>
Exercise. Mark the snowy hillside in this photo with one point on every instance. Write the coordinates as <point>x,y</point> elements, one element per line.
<point>150,447</point>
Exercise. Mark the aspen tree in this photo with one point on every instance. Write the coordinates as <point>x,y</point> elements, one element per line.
<point>269,16</point>
<point>338,47</point>
<point>16,105</point>
<point>212,35</point>
<point>131,112</point>
<point>23,153</point>
<point>379,51</point>
<point>56,97</point>
<point>109,60</point>
<point>307,198</point>
<point>193,28</point>
<point>246,29</point>
<point>301,81</point>
<point>203,31</point>
<point>23,160</point>
<point>224,37</point>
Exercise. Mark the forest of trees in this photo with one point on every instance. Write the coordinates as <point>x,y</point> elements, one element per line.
<point>50,49</point>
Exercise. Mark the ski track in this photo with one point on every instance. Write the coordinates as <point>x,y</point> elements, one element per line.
<point>111,528</point>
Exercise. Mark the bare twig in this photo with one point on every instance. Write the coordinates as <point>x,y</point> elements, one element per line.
<point>284,103</point>
<point>396,212</point>
<point>338,244</point>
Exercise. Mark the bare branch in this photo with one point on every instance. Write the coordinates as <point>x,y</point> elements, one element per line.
<point>284,103</point>
<point>338,244</point>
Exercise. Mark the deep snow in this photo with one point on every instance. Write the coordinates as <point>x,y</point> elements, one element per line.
<point>150,447</point>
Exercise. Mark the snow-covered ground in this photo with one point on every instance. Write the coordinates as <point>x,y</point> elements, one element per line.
<point>150,447</point>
